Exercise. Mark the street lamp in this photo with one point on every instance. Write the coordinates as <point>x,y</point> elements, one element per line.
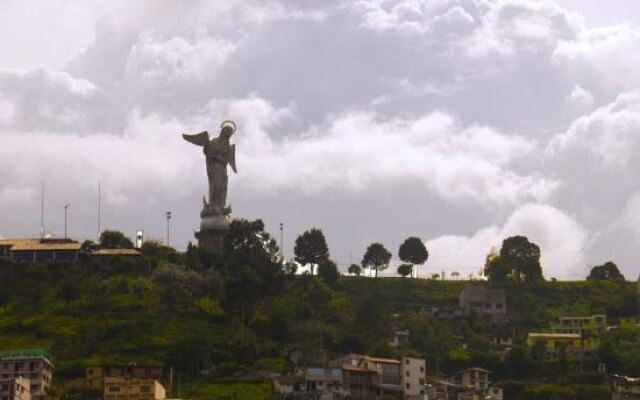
<point>168,225</point>
<point>66,207</point>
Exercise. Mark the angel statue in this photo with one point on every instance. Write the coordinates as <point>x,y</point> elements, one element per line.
<point>218,152</point>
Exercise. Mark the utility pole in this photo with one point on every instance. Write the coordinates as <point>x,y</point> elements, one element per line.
<point>66,207</point>
<point>42,213</point>
<point>168,226</point>
<point>99,210</point>
<point>282,240</point>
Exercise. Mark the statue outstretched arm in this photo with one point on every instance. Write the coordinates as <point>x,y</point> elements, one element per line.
<point>232,158</point>
<point>199,139</point>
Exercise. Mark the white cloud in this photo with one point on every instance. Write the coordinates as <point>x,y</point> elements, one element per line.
<point>563,241</point>
<point>581,97</point>
<point>458,163</point>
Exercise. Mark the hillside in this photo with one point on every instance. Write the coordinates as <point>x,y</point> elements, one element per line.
<point>222,328</point>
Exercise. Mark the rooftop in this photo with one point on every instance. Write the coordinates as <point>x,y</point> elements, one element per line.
<point>116,252</point>
<point>554,335</point>
<point>25,353</point>
<point>40,244</point>
<point>382,360</point>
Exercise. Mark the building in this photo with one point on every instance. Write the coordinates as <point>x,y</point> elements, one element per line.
<point>40,250</point>
<point>591,326</point>
<point>132,388</point>
<point>554,344</point>
<point>624,387</point>
<point>360,383</point>
<point>324,380</point>
<point>414,375</point>
<point>478,298</point>
<point>32,364</point>
<point>476,379</point>
<point>447,311</point>
<point>400,338</point>
<point>95,376</point>
<point>390,372</point>
<point>288,384</point>
<point>15,389</point>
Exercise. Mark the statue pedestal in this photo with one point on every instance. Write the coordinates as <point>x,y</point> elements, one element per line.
<point>212,231</point>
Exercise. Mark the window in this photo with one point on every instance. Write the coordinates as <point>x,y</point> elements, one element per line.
<point>421,369</point>
<point>499,306</point>
<point>145,389</point>
<point>407,373</point>
<point>408,385</point>
<point>406,361</point>
<point>114,389</point>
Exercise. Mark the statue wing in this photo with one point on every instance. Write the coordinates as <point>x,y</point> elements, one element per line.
<point>232,158</point>
<point>199,139</point>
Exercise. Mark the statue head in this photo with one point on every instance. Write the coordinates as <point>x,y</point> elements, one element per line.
<point>227,128</point>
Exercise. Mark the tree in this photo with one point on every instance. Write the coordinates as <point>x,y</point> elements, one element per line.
<point>518,259</point>
<point>354,269</point>
<point>413,252</point>
<point>251,264</point>
<point>522,258</point>
<point>377,257</point>
<point>606,272</point>
<point>405,270</point>
<point>311,248</point>
<point>115,240</point>
<point>328,272</point>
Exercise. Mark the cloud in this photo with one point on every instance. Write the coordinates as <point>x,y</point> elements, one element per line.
<point>562,239</point>
<point>458,163</point>
<point>391,118</point>
<point>581,97</point>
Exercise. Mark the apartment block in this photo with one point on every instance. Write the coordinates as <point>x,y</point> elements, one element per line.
<point>33,364</point>
<point>15,389</point>
<point>125,388</point>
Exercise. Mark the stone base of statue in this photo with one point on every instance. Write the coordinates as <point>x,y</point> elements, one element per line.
<point>213,228</point>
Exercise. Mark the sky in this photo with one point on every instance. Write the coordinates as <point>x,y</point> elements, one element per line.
<point>462,122</point>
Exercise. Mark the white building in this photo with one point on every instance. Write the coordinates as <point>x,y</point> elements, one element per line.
<point>35,365</point>
<point>414,374</point>
<point>15,389</point>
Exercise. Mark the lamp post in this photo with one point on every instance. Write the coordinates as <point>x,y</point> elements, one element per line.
<point>168,225</point>
<point>66,207</point>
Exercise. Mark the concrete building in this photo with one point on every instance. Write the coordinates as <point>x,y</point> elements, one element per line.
<point>116,388</point>
<point>33,364</point>
<point>324,380</point>
<point>624,387</point>
<point>591,326</point>
<point>361,383</point>
<point>400,338</point>
<point>484,301</point>
<point>40,250</point>
<point>95,376</point>
<point>15,389</point>
<point>476,379</point>
<point>288,384</point>
<point>414,375</point>
<point>553,344</point>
